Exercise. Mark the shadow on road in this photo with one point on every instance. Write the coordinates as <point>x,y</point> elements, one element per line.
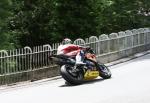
<point>84,83</point>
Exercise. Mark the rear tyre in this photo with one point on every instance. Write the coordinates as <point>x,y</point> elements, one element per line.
<point>105,73</point>
<point>70,76</point>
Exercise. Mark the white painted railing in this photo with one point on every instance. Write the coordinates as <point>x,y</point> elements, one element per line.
<point>28,64</point>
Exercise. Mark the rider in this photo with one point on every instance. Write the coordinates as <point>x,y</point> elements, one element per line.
<point>70,49</point>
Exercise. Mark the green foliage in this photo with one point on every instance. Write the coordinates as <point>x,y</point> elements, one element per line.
<point>47,21</point>
<point>37,22</point>
<point>74,18</point>
<point>33,22</point>
<point>122,15</point>
<point>5,12</point>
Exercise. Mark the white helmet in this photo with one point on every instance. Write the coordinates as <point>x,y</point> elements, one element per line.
<point>66,41</point>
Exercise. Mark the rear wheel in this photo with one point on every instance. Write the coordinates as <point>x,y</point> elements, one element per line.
<point>104,71</point>
<point>70,75</point>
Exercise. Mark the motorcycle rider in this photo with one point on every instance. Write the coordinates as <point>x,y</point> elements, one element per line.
<point>70,49</point>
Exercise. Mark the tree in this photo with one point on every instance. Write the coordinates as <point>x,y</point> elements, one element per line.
<point>5,36</point>
<point>119,15</point>
<point>74,18</point>
<point>37,22</point>
<point>33,22</point>
<point>47,21</point>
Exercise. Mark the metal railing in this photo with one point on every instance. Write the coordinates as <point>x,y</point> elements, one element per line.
<point>28,64</point>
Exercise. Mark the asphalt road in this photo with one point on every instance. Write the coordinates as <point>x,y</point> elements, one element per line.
<point>130,83</point>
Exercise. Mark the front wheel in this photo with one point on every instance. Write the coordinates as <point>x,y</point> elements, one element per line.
<point>71,76</point>
<point>104,71</point>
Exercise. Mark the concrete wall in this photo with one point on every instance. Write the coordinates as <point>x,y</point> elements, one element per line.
<point>29,64</point>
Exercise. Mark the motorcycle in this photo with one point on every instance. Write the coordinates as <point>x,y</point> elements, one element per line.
<point>78,74</point>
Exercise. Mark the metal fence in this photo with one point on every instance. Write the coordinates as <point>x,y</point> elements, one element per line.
<point>28,64</point>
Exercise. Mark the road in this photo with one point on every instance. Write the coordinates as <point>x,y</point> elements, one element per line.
<point>130,83</point>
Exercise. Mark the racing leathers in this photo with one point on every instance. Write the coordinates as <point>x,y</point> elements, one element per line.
<point>72,50</point>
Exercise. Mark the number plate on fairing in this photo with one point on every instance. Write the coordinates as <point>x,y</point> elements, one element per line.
<point>91,74</point>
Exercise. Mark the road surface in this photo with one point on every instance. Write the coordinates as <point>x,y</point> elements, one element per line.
<point>130,83</point>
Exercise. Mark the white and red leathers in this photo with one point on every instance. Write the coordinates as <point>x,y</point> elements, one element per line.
<point>72,50</point>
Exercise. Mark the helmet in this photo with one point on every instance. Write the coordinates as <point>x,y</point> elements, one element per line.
<point>66,41</point>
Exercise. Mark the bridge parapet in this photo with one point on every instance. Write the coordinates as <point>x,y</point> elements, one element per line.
<point>27,64</point>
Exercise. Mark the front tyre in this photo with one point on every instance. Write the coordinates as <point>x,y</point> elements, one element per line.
<point>70,75</point>
<point>104,71</point>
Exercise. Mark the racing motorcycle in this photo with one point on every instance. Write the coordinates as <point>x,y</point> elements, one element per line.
<point>77,74</point>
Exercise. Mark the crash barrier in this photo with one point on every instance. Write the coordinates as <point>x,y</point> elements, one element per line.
<point>29,64</point>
